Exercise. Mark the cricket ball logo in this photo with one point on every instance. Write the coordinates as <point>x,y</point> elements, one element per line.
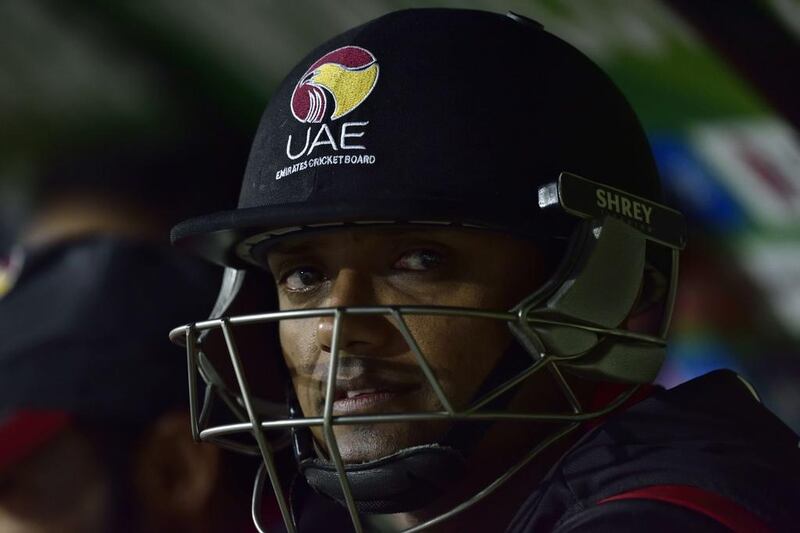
<point>348,74</point>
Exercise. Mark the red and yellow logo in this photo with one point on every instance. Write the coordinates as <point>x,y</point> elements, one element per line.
<point>349,74</point>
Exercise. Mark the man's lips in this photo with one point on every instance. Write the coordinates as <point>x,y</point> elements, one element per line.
<point>362,392</point>
<point>363,383</point>
<point>348,388</point>
<point>352,401</point>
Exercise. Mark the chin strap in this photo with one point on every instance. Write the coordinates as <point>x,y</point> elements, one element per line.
<point>404,481</point>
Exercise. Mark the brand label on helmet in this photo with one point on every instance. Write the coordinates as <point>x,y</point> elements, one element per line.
<point>333,86</point>
<point>623,205</point>
<point>589,199</point>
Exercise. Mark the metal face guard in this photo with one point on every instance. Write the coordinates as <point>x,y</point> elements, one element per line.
<point>257,425</point>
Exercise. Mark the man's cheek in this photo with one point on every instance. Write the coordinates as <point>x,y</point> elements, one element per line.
<point>299,344</point>
<point>297,365</point>
<point>470,355</point>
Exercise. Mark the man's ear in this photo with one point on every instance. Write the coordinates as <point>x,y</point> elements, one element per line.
<point>175,476</point>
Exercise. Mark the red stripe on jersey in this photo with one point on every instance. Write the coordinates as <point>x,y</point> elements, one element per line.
<point>719,508</point>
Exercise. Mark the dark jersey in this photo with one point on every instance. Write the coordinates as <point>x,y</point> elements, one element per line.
<point>704,456</point>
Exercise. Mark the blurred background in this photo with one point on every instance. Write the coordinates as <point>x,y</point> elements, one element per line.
<point>161,98</point>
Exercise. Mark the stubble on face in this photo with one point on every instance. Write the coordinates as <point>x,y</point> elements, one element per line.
<point>472,269</point>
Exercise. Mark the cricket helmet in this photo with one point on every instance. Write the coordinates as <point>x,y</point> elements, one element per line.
<point>445,118</point>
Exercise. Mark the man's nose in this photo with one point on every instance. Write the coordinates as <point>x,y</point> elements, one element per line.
<point>359,334</point>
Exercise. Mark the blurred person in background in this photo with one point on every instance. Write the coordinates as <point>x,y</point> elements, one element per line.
<point>93,420</point>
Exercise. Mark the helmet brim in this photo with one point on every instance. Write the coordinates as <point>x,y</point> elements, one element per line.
<point>228,237</point>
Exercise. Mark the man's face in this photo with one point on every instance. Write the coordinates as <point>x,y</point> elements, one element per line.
<point>378,370</point>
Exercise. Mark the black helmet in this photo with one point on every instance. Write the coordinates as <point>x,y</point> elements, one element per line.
<point>452,115</point>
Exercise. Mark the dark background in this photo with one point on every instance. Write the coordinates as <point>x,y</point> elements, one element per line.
<point>161,98</point>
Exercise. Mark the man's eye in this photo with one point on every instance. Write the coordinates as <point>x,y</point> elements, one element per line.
<point>419,260</point>
<point>302,279</point>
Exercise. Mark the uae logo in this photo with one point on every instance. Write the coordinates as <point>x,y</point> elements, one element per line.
<point>342,79</point>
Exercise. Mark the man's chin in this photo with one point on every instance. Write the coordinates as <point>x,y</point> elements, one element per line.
<point>361,444</point>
